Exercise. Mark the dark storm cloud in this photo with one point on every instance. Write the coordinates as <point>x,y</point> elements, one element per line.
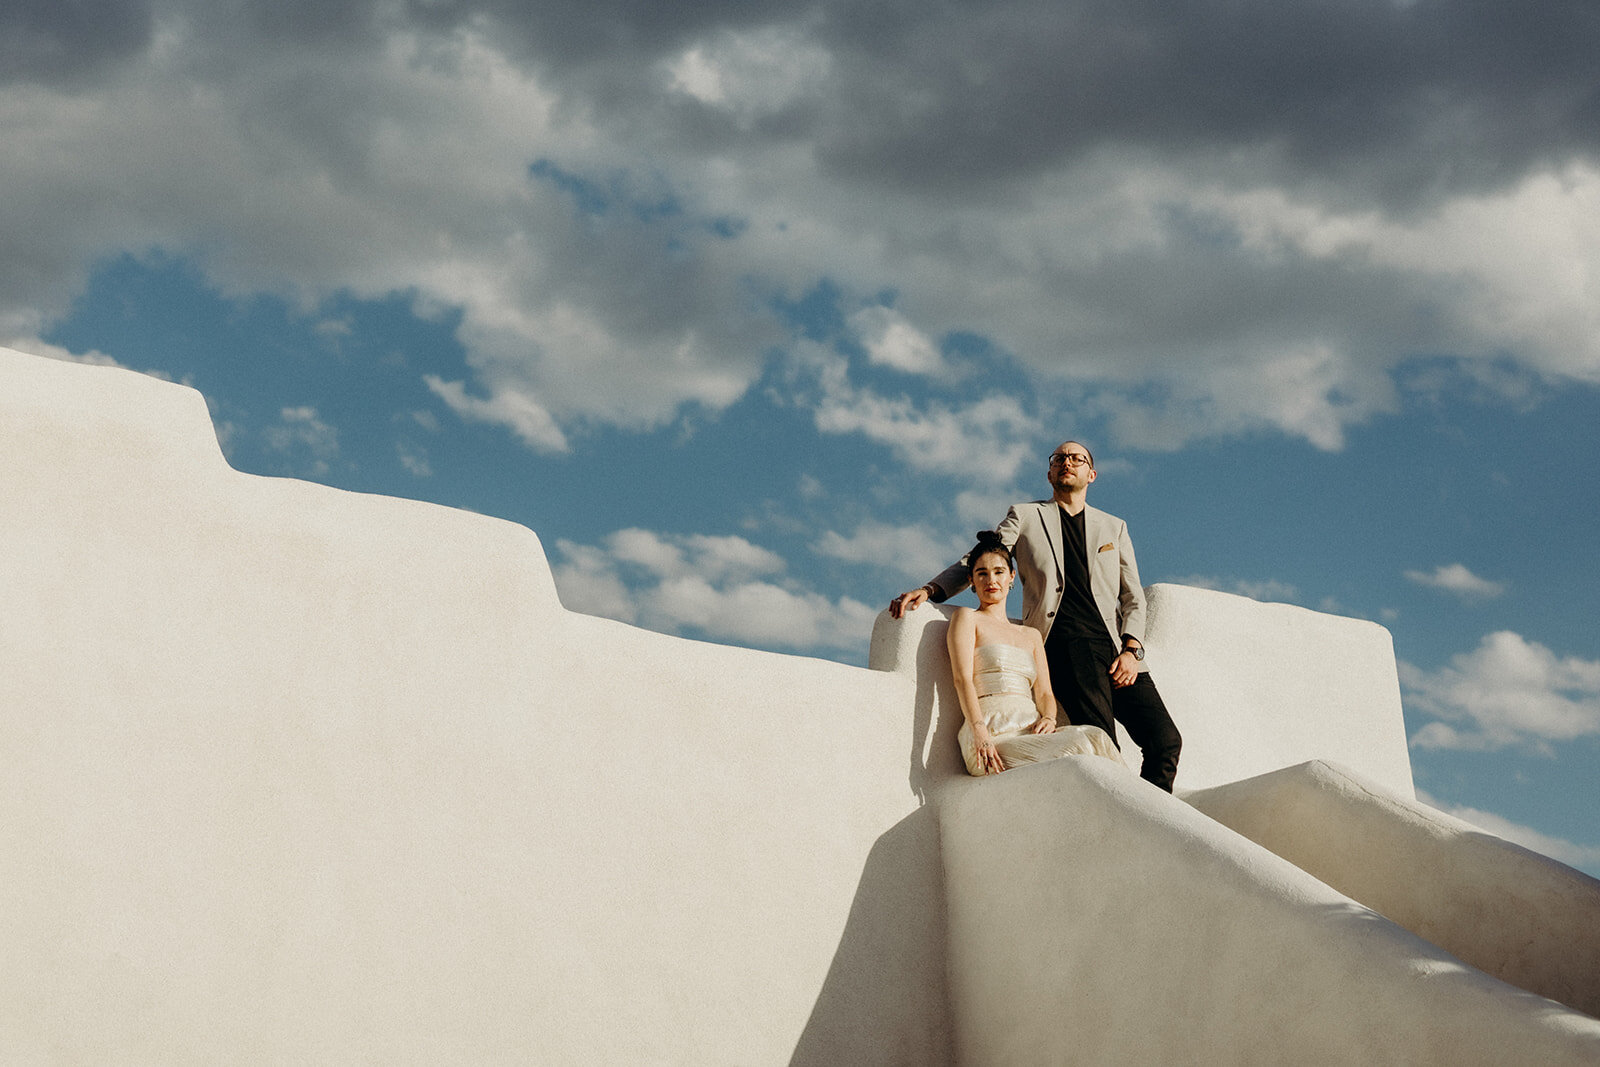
<point>1385,98</point>
<point>59,41</point>
<point>569,34</point>
<point>1397,99</point>
<point>1400,99</point>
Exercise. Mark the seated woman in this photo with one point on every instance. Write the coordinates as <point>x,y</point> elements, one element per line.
<point>1002,680</point>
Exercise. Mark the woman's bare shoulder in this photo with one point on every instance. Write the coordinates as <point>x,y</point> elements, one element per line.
<point>963,620</point>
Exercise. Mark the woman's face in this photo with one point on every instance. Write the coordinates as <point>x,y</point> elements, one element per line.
<point>991,577</point>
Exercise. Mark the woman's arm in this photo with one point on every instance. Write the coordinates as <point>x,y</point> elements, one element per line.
<point>962,641</point>
<point>1044,697</point>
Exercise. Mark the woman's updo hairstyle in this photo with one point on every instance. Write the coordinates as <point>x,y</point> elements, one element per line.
<point>989,542</point>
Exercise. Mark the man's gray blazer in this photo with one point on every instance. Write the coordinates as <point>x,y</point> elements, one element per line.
<point>1033,533</point>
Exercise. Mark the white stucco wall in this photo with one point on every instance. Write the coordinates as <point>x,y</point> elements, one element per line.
<point>1100,898</point>
<point>1510,912</point>
<point>1096,919</point>
<point>1255,687</point>
<point>291,774</point>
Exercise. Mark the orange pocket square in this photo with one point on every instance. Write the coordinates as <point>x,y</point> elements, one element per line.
<point>1107,547</point>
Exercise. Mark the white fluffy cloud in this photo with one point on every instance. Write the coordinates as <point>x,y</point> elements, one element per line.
<point>714,559</point>
<point>1518,257</point>
<point>989,439</point>
<point>414,459</point>
<point>402,163</point>
<point>1456,578</point>
<point>911,551</point>
<point>302,437</point>
<point>1508,691</point>
<point>986,439</point>
<point>521,414</point>
<point>719,587</point>
<point>894,342</point>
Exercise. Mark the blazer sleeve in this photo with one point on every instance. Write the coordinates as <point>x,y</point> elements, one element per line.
<point>1130,593</point>
<point>950,581</point>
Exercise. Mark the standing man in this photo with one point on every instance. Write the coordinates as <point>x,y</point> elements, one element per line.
<point>1080,589</point>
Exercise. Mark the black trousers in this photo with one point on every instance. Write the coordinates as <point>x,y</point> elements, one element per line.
<point>1080,674</point>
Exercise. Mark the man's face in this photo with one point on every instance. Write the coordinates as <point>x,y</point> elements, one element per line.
<point>1070,467</point>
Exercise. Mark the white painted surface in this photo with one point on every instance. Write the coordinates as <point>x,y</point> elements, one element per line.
<point>1096,919</point>
<point>1513,913</point>
<point>1255,687</point>
<point>291,774</point>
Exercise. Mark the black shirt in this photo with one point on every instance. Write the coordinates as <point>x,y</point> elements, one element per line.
<point>1077,616</point>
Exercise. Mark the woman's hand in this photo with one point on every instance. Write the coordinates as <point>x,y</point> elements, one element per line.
<point>1044,725</point>
<point>988,756</point>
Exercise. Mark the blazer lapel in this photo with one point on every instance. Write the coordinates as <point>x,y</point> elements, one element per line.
<point>1050,521</point>
<point>1097,532</point>
<point>1092,522</point>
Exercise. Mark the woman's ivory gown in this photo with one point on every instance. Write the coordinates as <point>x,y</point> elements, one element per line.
<point>1005,676</point>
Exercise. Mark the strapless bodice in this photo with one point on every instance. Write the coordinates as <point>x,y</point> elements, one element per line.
<point>1004,675</point>
<point>1002,668</point>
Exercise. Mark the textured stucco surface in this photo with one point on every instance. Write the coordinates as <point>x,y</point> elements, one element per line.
<point>291,774</point>
<point>1273,685</point>
<point>1493,904</point>
<point>1095,919</point>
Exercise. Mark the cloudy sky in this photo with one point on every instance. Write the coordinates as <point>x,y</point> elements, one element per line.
<point>755,312</point>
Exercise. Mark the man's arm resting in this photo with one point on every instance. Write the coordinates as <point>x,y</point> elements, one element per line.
<point>953,579</point>
<point>914,598</point>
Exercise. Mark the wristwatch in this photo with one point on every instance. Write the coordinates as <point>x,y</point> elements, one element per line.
<point>1137,650</point>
